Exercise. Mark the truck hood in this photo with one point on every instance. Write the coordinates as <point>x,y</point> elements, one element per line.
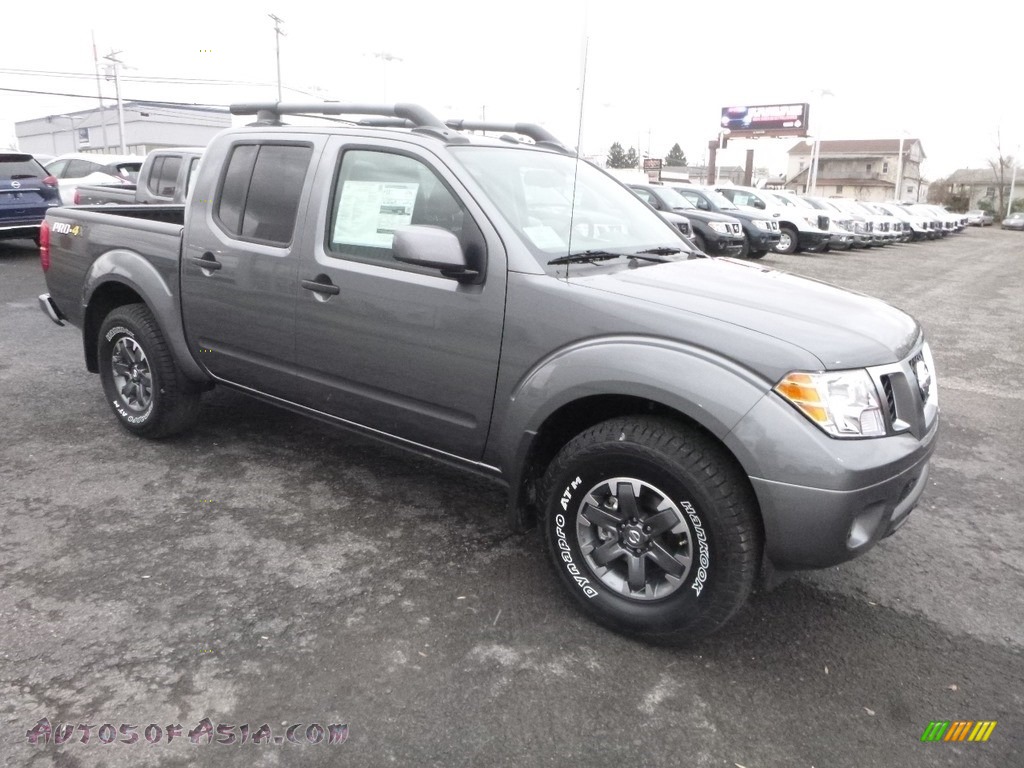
<point>841,328</point>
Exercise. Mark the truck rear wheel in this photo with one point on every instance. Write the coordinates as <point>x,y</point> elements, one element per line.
<point>147,391</point>
<point>652,528</point>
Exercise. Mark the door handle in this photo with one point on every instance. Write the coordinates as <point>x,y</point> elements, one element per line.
<point>318,287</point>
<point>206,261</point>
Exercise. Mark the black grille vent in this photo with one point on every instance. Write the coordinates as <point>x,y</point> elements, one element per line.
<point>889,398</point>
<point>823,222</point>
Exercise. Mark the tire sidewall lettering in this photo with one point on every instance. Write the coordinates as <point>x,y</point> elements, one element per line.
<point>563,527</point>
<point>130,419</point>
<point>118,330</point>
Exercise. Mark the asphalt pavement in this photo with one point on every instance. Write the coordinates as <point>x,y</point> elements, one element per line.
<point>266,569</point>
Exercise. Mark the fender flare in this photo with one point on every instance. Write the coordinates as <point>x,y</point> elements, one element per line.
<point>132,270</point>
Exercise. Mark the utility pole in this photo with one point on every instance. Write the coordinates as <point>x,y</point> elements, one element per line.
<point>99,92</point>
<point>116,62</point>
<point>899,172</point>
<point>278,34</point>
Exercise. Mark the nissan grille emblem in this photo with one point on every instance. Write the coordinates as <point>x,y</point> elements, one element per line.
<point>16,184</point>
<point>924,377</point>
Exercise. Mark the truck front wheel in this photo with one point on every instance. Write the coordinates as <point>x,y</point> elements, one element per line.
<point>651,528</point>
<point>789,240</point>
<point>147,391</point>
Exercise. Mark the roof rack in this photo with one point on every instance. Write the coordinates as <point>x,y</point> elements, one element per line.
<point>421,120</point>
<point>539,134</point>
<point>411,116</point>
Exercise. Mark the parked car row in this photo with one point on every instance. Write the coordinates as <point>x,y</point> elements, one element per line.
<point>785,222</point>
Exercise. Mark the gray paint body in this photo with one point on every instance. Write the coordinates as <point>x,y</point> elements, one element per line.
<point>470,373</point>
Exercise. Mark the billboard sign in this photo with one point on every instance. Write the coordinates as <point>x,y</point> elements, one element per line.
<point>765,120</point>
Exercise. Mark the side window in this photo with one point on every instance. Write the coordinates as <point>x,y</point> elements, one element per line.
<point>164,177</point>
<point>377,192</point>
<point>259,197</point>
<point>78,168</point>
<point>57,168</point>
<point>154,175</point>
<point>646,196</point>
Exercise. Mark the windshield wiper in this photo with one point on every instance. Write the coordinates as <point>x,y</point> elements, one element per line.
<point>586,257</point>
<point>658,252</point>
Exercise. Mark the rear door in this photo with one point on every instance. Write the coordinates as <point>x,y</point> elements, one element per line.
<point>393,347</point>
<point>239,271</point>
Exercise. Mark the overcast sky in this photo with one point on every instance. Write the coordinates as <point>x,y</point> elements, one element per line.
<point>657,72</point>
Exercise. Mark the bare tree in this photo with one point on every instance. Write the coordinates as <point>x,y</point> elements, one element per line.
<point>1002,170</point>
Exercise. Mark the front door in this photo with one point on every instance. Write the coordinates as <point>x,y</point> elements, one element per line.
<point>393,347</point>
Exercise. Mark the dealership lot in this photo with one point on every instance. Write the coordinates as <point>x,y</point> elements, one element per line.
<point>266,569</point>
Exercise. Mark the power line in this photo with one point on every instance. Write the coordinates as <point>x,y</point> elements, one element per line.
<point>136,101</point>
<point>132,78</point>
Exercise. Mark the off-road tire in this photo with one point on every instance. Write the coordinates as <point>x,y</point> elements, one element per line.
<point>145,388</point>
<point>683,473</point>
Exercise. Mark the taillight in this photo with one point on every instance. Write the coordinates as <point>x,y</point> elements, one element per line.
<point>50,181</point>
<point>44,246</point>
<point>77,198</point>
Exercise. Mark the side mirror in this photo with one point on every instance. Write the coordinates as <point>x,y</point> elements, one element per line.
<point>759,204</point>
<point>434,248</point>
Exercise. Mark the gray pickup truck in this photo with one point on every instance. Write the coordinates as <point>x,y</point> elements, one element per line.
<point>165,178</point>
<point>683,428</point>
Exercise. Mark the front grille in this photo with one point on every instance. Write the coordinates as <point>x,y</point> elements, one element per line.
<point>774,225</point>
<point>871,226</point>
<point>684,227</point>
<point>823,222</point>
<point>735,228</point>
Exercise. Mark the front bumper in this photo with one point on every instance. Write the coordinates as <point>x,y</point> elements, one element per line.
<point>725,246</point>
<point>813,241</point>
<point>761,240</point>
<point>824,500</point>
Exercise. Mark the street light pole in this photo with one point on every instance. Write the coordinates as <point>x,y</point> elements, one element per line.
<point>112,57</point>
<point>277,41</point>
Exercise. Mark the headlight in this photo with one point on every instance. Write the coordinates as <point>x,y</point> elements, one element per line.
<point>762,224</point>
<point>842,403</point>
<point>719,226</point>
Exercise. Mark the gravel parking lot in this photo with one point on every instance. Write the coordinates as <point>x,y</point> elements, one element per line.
<point>266,569</point>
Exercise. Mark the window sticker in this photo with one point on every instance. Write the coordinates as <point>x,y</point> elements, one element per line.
<point>544,237</point>
<point>370,211</point>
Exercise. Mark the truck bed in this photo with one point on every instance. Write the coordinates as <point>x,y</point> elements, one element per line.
<point>106,194</point>
<point>86,241</point>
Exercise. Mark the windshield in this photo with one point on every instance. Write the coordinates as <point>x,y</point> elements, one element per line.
<point>717,199</point>
<point>534,191</point>
<point>673,199</point>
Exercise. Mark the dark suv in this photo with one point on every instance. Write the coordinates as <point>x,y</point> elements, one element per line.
<point>27,191</point>
<point>713,233</point>
<point>762,232</point>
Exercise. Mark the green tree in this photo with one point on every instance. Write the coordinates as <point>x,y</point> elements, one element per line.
<point>617,157</point>
<point>632,159</point>
<point>675,156</point>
